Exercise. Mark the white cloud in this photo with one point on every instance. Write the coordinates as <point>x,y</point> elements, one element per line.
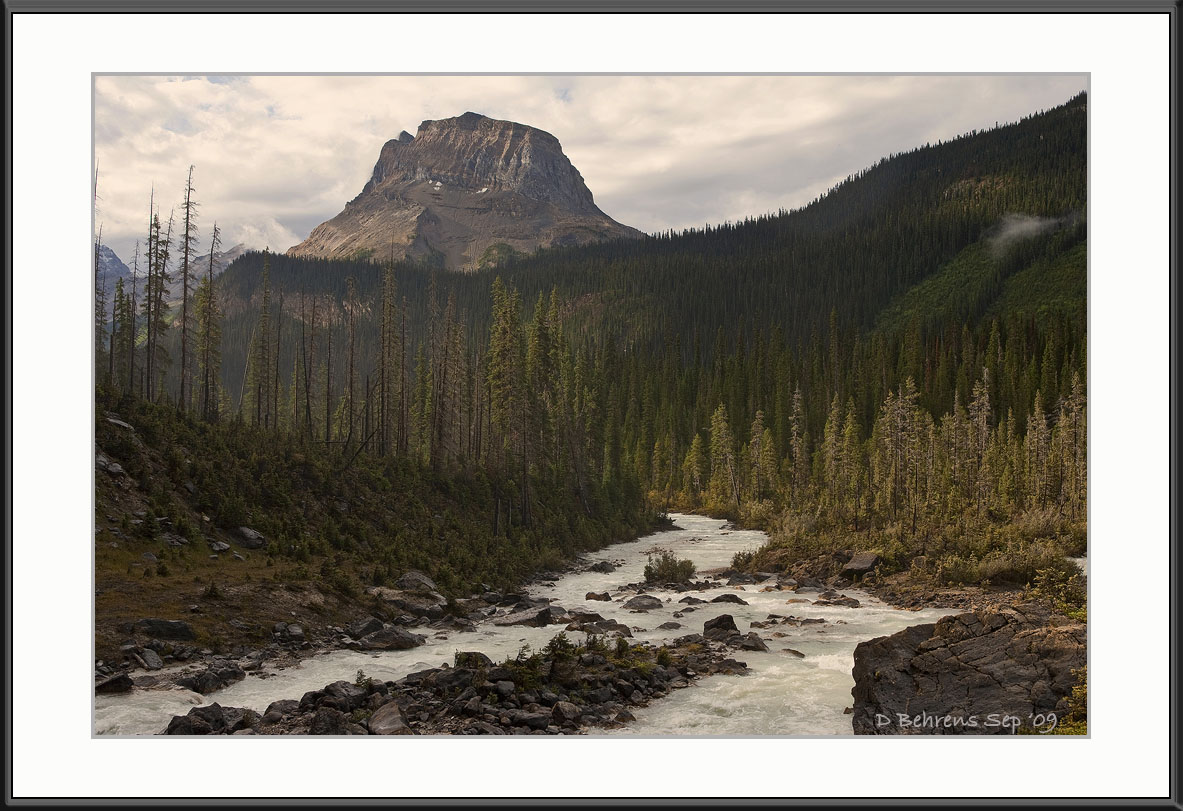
<point>276,155</point>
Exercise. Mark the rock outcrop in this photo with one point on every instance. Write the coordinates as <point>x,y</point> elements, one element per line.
<point>465,192</point>
<point>982,672</point>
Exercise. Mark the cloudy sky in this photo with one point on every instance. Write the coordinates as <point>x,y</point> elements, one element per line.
<point>277,155</point>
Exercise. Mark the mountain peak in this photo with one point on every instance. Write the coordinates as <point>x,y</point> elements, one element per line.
<point>461,186</point>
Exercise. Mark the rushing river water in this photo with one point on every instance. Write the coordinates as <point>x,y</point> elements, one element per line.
<point>783,695</point>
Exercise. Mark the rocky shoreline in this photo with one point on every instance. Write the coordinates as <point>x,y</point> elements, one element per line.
<point>564,689</point>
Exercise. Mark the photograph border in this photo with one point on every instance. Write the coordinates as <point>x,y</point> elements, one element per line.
<point>451,6</point>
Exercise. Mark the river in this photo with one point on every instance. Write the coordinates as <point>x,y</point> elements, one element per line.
<point>783,695</point>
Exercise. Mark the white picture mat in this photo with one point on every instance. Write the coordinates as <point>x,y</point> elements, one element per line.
<point>1126,755</point>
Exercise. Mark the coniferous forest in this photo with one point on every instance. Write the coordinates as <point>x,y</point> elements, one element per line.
<point>899,366</point>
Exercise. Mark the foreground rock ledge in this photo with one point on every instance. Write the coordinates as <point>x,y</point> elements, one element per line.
<point>953,676</point>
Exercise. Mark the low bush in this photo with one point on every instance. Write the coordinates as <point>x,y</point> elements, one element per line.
<point>667,568</point>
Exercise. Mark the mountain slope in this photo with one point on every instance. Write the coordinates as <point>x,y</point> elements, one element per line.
<point>464,192</point>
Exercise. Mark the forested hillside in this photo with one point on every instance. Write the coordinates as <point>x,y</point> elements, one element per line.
<point>900,365</point>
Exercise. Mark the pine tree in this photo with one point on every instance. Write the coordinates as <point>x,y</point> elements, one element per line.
<point>209,336</point>
<point>724,485</point>
<point>188,240</point>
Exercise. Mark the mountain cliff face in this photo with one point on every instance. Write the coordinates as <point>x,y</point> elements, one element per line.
<point>465,191</point>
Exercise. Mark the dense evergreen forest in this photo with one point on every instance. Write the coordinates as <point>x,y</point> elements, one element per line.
<point>899,365</point>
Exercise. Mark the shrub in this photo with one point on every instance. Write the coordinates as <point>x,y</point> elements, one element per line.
<point>664,657</point>
<point>668,569</point>
<point>742,560</point>
<point>559,646</point>
<point>758,514</point>
<point>596,643</point>
<point>621,647</point>
<point>362,680</point>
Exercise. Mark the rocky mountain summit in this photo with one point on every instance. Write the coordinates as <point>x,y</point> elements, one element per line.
<point>464,193</point>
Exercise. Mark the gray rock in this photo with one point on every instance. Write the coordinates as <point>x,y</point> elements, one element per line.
<point>670,626</point>
<point>1007,662</point>
<point>285,706</point>
<point>151,659</point>
<point>601,628</point>
<point>602,596</point>
<point>643,602</point>
<point>720,628</point>
<point>534,617</point>
<point>861,563</point>
<point>391,638</point>
<point>427,604</point>
<point>840,600</point>
<point>364,627</point>
<point>751,641</point>
<point>118,683</point>
<point>389,719</point>
<point>532,720</point>
<point>328,721</point>
<point>219,546</point>
<point>415,580</point>
<point>603,567</point>
<point>250,538</point>
<point>730,598</point>
<point>564,712</point>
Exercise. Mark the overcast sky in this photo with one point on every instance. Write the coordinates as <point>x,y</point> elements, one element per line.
<point>277,155</point>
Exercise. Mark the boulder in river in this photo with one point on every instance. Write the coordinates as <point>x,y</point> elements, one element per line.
<point>730,598</point>
<point>363,627</point>
<point>951,676</point>
<point>603,567</point>
<point>834,599</point>
<point>391,638</point>
<point>643,602</point>
<point>118,683</point>
<point>607,627</point>
<point>602,596</point>
<point>536,617</point>
<point>751,641</point>
<point>720,628</point>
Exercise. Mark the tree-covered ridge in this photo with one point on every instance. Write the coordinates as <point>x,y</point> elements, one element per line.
<point>900,361</point>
